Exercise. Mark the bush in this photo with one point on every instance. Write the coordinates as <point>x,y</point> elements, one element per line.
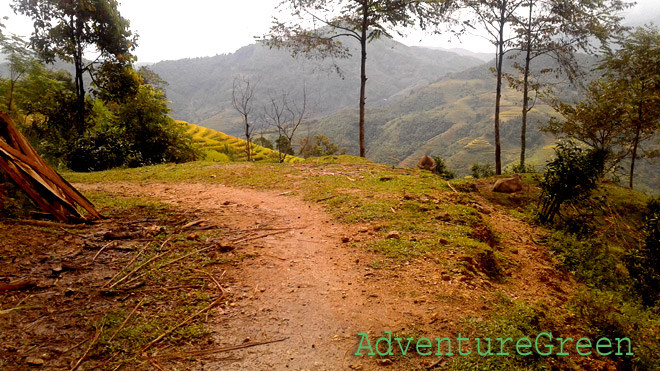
<point>441,168</point>
<point>482,171</point>
<point>607,314</point>
<point>643,262</point>
<point>571,176</point>
<point>518,169</point>
<point>590,260</point>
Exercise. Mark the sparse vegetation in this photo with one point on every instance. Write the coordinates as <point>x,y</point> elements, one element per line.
<point>441,168</point>
<point>482,171</point>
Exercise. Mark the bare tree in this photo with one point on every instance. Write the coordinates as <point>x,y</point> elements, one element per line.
<point>284,114</point>
<point>242,99</point>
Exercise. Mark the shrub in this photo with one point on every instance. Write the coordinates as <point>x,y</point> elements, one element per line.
<point>607,314</point>
<point>571,176</point>
<point>482,171</point>
<point>441,168</point>
<point>589,259</point>
<point>519,169</point>
<point>643,262</point>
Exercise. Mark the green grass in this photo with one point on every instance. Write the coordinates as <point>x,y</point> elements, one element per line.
<point>352,189</point>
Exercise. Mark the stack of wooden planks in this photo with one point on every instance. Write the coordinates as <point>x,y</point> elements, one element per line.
<point>52,193</point>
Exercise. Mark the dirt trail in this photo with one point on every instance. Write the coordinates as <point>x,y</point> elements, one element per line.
<point>301,284</point>
<point>305,285</point>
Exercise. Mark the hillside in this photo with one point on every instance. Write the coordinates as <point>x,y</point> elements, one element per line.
<point>453,118</point>
<point>200,89</point>
<point>220,147</point>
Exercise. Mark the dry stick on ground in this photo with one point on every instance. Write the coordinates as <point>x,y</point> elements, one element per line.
<point>190,318</point>
<point>73,233</point>
<point>452,188</point>
<point>218,350</point>
<point>126,319</point>
<point>145,263</point>
<point>101,250</point>
<point>127,265</point>
<point>245,239</point>
<point>212,278</point>
<point>436,364</point>
<point>191,224</point>
<point>96,338</point>
<point>77,345</point>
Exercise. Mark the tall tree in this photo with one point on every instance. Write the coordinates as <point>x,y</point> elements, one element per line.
<point>19,58</point>
<point>361,20</point>
<point>496,17</point>
<point>599,120</point>
<point>635,65</point>
<point>559,29</point>
<point>71,29</point>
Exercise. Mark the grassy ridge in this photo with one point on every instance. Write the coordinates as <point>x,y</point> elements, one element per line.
<point>220,147</point>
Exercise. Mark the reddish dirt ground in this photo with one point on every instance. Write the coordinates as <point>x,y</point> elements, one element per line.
<point>306,287</point>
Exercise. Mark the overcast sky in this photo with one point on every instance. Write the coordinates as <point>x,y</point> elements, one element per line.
<point>175,29</point>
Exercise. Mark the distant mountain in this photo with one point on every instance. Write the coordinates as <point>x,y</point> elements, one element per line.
<point>485,57</point>
<point>200,89</point>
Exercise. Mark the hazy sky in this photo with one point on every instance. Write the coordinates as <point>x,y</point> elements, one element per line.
<point>175,29</point>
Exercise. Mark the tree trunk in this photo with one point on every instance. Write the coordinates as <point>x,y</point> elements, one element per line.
<point>363,73</point>
<point>525,110</point>
<point>498,94</point>
<point>248,150</point>
<point>638,131</point>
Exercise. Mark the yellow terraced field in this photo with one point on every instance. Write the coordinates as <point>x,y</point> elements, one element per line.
<point>220,147</point>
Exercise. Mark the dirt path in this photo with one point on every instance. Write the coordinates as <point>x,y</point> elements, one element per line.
<point>301,285</point>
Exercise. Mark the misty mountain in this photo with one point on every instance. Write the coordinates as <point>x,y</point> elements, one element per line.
<point>200,89</point>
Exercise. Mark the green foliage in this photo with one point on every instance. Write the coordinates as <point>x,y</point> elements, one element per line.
<point>318,146</point>
<point>517,168</point>
<point>607,314</point>
<point>66,29</point>
<point>571,176</point>
<point>643,262</point>
<point>511,319</point>
<point>589,259</point>
<point>441,168</point>
<point>261,141</point>
<point>284,145</point>
<point>482,171</point>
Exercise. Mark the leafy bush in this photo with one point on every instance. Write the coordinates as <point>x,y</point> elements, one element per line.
<point>607,314</point>
<point>264,142</point>
<point>519,169</point>
<point>441,168</point>
<point>571,176</point>
<point>589,259</point>
<point>643,262</point>
<point>482,171</point>
<point>318,146</point>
